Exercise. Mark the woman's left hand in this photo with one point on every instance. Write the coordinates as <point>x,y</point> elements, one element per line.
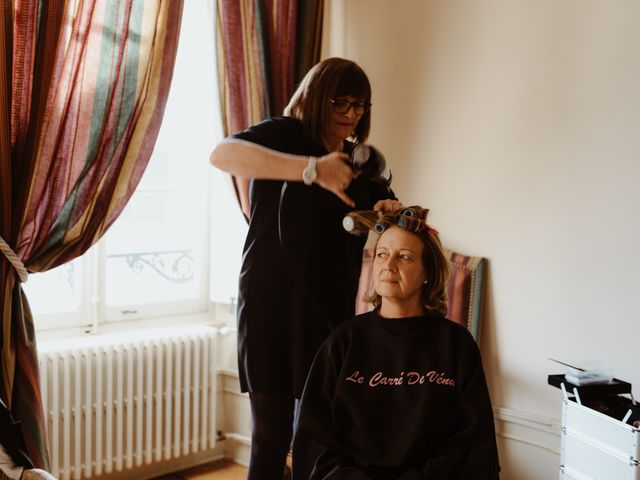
<point>387,206</point>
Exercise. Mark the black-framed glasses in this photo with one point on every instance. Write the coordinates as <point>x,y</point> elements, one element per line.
<point>342,105</point>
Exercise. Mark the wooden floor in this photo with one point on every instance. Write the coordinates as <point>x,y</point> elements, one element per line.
<point>221,470</point>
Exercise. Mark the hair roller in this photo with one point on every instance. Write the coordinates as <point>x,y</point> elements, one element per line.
<point>359,222</point>
<point>381,226</point>
<point>413,224</point>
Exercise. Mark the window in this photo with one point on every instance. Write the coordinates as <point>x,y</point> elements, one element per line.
<point>154,261</point>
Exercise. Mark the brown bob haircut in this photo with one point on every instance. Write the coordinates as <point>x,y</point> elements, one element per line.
<point>331,78</point>
<point>434,261</point>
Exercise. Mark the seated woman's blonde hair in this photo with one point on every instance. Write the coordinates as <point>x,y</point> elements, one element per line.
<point>434,261</point>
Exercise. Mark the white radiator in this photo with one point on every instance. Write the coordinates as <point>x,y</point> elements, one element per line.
<point>117,402</point>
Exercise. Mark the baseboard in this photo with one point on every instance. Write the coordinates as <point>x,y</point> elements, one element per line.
<point>237,447</point>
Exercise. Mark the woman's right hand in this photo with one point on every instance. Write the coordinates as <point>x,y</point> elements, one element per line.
<point>334,174</point>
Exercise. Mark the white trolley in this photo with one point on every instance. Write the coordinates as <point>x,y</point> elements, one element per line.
<point>595,446</point>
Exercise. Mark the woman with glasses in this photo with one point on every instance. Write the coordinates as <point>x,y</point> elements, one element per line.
<point>300,270</point>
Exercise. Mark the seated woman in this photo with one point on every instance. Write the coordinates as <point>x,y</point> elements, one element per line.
<point>399,392</point>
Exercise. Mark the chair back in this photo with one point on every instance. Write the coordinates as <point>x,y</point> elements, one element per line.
<point>466,290</point>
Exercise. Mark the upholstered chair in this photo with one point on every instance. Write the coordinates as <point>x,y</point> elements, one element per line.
<point>466,290</point>
<point>30,474</point>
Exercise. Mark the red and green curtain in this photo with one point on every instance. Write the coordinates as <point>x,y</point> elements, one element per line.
<point>264,47</point>
<point>83,86</point>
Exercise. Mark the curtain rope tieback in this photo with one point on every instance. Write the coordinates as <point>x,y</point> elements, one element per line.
<point>14,260</point>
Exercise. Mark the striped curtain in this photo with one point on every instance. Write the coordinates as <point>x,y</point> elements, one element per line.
<point>264,47</point>
<point>83,86</point>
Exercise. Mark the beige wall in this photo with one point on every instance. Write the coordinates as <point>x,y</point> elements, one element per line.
<point>518,123</point>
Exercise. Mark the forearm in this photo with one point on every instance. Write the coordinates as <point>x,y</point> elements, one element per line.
<point>249,160</point>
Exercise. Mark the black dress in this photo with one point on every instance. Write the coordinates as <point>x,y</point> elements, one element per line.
<point>300,269</point>
<point>398,398</point>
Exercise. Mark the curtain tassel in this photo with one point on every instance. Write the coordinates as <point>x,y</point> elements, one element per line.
<point>14,260</point>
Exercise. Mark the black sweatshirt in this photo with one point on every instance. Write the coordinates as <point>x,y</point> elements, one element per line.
<point>402,398</point>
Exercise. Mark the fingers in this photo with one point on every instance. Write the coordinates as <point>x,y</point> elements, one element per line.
<point>346,199</point>
<point>335,175</point>
<point>339,191</point>
<point>343,157</point>
<point>342,184</point>
<point>343,196</point>
<point>387,206</point>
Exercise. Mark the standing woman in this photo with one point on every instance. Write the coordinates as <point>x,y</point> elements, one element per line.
<point>296,255</point>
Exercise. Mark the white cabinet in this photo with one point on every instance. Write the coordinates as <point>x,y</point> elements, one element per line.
<point>596,446</point>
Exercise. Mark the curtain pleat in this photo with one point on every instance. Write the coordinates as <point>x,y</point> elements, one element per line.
<point>309,36</point>
<point>264,47</point>
<point>83,87</point>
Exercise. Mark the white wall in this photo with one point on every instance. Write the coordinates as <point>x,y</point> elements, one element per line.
<point>518,123</point>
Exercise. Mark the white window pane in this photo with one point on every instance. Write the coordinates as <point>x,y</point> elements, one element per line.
<point>154,251</point>
<point>157,251</point>
<point>55,296</point>
<point>228,232</point>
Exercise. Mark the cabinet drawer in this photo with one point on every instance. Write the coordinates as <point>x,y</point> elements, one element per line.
<point>585,461</point>
<point>612,436</point>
